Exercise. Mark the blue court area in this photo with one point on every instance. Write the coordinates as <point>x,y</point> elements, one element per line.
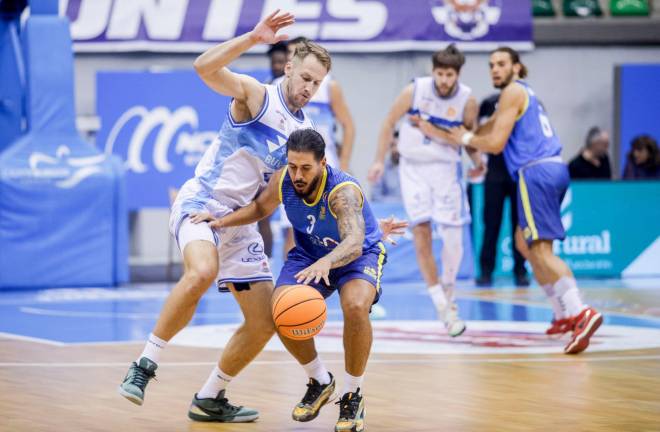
<point>92,315</point>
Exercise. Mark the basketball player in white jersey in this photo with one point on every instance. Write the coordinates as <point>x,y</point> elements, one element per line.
<point>327,108</point>
<point>248,149</point>
<point>431,172</point>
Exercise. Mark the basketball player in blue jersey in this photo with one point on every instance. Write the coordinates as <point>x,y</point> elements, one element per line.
<point>430,170</point>
<point>520,127</point>
<point>237,165</point>
<point>338,248</point>
<point>327,109</point>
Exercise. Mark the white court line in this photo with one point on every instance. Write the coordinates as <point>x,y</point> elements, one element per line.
<point>31,339</point>
<point>127,315</point>
<point>544,305</point>
<point>432,361</point>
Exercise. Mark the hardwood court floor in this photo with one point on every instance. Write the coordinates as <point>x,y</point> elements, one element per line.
<point>45,387</point>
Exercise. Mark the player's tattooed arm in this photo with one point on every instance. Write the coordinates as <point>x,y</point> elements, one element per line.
<point>346,204</point>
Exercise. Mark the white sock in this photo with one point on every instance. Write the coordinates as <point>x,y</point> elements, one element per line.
<point>438,296</point>
<point>567,294</point>
<point>153,348</point>
<point>351,384</point>
<point>557,309</point>
<point>452,254</point>
<point>215,383</point>
<point>316,369</point>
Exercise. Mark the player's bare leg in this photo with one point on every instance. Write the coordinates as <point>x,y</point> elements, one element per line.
<point>558,282</point>
<point>321,384</point>
<point>210,403</point>
<point>200,260</point>
<point>357,296</point>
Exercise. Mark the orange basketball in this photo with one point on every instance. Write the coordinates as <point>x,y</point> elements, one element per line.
<point>299,312</point>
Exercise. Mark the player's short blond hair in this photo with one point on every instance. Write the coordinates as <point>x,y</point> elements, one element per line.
<point>306,48</point>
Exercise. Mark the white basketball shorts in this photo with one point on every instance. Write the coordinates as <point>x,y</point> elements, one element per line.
<point>434,191</point>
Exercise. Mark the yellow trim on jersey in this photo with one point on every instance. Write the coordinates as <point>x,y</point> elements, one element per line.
<point>339,186</point>
<point>524,197</point>
<point>321,189</point>
<point>381,261</point>
<point>522,113</point>
<point>284,174</point>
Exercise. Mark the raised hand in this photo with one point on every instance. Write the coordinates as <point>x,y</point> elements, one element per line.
<point>266,30</point>
<point>391,227</point>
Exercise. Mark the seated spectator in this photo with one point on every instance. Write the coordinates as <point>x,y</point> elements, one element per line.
<point>388,188</point>
<point>643,161</point>
<point>593,161</point>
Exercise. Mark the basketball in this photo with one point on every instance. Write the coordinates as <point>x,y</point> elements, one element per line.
<point>299,312</point>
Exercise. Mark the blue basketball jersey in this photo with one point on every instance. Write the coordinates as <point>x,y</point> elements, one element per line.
<point>314,224</point>
<point>532,138</point>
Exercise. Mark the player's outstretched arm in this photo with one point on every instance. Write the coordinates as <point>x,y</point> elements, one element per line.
<point>392,227</point>
<point>493,140</point>
<point>260,208</point>
<point>344,118</point>
<point>211,66</point>
<point>346,205</point>
<point>401,105</point>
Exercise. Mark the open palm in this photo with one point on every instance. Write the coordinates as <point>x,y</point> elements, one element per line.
<point>266,30</point>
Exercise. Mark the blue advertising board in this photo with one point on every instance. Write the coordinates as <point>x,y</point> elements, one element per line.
<point>159,124</point>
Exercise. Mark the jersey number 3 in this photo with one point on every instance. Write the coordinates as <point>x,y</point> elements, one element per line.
<point>312,221</point>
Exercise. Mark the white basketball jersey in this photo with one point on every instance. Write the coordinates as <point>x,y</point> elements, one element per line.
<point>320,111</point>
<point>240,161</point>
<point>445,112</point>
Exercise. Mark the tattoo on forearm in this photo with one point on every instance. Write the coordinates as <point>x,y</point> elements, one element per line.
<point>346,203</point>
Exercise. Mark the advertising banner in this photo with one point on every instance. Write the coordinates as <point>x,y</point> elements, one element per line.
<point>612,230</point>
<point>340,25</point>
<point>160,124</point>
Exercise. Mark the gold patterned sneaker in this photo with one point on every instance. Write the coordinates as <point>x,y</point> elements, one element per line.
<point>315,397</point>
<point>351,413</point>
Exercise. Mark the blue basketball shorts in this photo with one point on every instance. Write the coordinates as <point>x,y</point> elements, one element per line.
<point>541,189</point>
<point>369,267</point>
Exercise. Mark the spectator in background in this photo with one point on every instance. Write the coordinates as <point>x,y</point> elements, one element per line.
<point>592,162</point>
<point>278,55</point>
<point>643,161</point>
<point>388,188</point>
<point>498,186</point>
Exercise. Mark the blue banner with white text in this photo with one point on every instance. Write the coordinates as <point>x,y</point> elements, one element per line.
<point>340,25</point>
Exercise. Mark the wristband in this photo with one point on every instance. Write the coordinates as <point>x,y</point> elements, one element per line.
<point>466,138</point>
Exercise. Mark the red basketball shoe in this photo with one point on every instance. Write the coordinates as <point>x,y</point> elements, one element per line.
<point>559,327</point>
<point>586,324</point>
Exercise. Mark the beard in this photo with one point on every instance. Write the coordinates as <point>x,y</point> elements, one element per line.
<point>296,101</point>
<point>305,194</point>
<point>505,82</point>
<point>449,92</point>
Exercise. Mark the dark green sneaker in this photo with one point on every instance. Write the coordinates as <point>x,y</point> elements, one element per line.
<point>315,397</point>
<point>351,413</point>
<point>220,410</point>
<point>136,380</point>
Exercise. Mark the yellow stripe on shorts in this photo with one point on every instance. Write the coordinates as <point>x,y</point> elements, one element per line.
<point>381,261</point>
<point>527,206</point>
